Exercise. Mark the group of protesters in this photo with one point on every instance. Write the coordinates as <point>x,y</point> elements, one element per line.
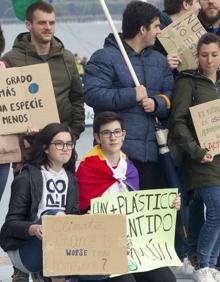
<point>126,155</point>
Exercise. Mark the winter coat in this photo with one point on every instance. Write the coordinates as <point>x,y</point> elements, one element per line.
<point>65,78</point>
<point>108,86</point>
<point>192,89</point>
<point>26,194</point>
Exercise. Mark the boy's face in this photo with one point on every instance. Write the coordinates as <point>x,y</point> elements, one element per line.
<point>110,137</point>
<point>149,35</point>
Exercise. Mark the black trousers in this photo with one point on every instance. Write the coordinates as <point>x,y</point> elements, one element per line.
<point>151,175</point>
<point>163,274</point>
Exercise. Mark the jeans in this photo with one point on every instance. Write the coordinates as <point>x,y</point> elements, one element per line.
<point>209,237</point>
<point>196,221</point>
<point>4,170</point>
<point>31,252</point>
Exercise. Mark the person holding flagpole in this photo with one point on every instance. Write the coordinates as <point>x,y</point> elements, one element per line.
<point>108,86</point>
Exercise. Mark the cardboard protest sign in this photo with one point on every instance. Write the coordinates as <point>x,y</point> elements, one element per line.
<point>88,244</point>
<point>151,224</point>
<point>181,37</point>
<point>206,120</point>
<point>26,98</point>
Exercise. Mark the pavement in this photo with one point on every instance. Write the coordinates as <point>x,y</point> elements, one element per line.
<point>84,144</point>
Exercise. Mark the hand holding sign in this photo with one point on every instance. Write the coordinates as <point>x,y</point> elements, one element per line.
<point>208,158</point>
<point>2,65</point>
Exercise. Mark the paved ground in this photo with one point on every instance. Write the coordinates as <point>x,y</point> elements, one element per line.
<point>84,144</point>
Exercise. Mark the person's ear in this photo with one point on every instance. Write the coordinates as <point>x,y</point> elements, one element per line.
<point>124,134</point>
<point>28,25</point>
<point>97,139</point>
<point>45,149</point>
<point>142,29</point>
<point>185,6</point>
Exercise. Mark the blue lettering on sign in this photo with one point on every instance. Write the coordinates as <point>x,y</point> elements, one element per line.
<point>76,252</point>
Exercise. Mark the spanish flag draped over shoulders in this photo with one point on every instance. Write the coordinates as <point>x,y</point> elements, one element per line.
<point>95,175</point>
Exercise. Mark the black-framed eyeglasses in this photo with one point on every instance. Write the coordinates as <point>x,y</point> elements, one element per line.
<point>60,145</point>
<point>108,133</point>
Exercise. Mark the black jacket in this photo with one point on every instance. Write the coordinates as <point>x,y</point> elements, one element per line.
<point>208,26</point>
<point>26,193</point>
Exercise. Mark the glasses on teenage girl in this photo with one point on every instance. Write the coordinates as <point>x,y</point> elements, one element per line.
<point>60,145</point>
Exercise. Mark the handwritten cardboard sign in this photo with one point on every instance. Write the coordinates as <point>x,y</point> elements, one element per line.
<point>88,244</point>
<point>151,224</point>
<point>181,37</point>
<point>26,98</point>
<point>206,120</point>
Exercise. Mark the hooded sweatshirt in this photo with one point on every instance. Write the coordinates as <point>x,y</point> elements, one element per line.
<point>65,78</point>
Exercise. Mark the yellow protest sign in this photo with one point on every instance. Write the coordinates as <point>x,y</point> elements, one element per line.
<point>206,120</point>
<point>151,224</point>
<point>181,37</point>
<point>26,98</point>
<point>88,244</point>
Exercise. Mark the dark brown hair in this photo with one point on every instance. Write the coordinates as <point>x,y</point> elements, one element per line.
<point>42,6</point>
<point>137,14</point>
<point>42,140</point>
<point>207,39</point>
<point>175,6</point>
<point>104,118</point>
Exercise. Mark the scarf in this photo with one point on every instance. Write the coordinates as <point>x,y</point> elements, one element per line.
<point>95,175</point>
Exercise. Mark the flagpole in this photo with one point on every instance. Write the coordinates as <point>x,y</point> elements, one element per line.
<point>120,45</point>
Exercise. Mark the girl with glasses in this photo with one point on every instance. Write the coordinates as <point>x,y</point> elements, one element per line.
<point>45,186</point>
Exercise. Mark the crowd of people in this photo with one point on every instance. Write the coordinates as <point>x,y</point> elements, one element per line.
<point>124,134</point>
